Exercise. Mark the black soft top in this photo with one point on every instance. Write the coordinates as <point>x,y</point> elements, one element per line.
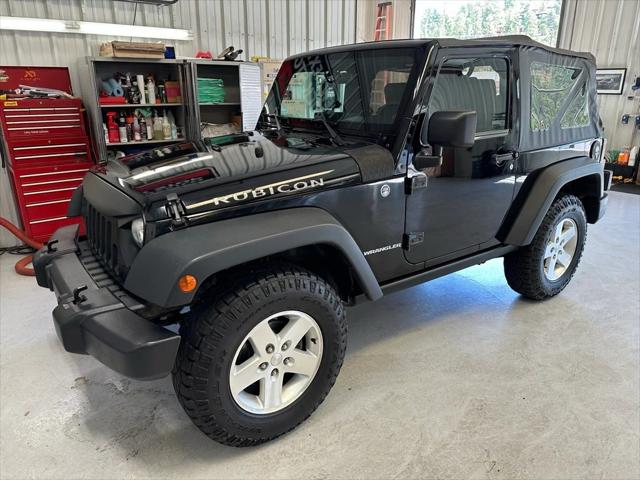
<point>507,41</point>
<point>511,40</point>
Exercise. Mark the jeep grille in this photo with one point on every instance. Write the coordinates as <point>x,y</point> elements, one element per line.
<point>102,235</point>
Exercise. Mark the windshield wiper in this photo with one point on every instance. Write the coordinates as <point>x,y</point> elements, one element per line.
<point>337,139</point>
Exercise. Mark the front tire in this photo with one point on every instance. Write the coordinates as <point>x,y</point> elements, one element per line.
<point>261,356</point>
<point>544,268</point>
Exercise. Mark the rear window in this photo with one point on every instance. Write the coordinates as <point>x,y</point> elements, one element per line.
<point>552,86</point>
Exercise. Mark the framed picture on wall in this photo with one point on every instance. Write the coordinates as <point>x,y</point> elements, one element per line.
<point>609,81</point>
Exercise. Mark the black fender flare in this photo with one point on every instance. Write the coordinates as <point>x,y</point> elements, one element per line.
<point>204,250</point>
<point>542,193</point>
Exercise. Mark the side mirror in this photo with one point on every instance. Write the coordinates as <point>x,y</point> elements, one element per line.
<point>446,129</point>
<point>451,129</point>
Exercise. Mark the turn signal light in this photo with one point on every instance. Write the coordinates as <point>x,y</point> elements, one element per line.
<point>187,283</point>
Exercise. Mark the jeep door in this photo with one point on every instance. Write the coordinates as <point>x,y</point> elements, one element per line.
<point>467,195</point>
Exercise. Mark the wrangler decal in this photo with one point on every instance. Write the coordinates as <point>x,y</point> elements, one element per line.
<point>382,249</point>
<point>285,186</point>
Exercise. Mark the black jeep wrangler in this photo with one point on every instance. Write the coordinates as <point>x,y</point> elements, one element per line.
<point>374,167</point>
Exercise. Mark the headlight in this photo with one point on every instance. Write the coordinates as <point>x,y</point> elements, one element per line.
<point>137,231</point>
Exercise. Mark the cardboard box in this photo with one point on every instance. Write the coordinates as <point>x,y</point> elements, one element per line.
<point>173,91</point>
<point>132,50</point>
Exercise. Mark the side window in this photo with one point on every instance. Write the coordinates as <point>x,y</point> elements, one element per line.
<point>550,87</point>
<point>479,84</point>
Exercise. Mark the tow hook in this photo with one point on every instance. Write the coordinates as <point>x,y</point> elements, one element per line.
<point>50,246</point>
<point>77,297</point>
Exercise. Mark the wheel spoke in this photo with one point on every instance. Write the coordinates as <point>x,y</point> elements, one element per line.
<point>261,336</point>
<point>304,363</point>
<point>548,252</point>
<point>559,228</point>
<point>294,330</point>
<point>245,374</point>
<point>271,391</point>
<point>564,259</point>
<point>551,268</point>
<point>567,235</point>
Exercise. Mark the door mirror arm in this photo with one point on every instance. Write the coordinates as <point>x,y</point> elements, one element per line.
<point>423,159</point>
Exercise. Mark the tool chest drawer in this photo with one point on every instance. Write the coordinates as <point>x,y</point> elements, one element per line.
<point>43,184</point>
<point>41,230</point>
<point>34,118</point>
<point>49,151</point>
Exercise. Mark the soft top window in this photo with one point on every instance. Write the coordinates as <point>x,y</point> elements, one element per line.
<point>551,86</point>
<point>558,100</point>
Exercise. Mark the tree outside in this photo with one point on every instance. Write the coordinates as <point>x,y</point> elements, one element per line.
<point>538,19</point>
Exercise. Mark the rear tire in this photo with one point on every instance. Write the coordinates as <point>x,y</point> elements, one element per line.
<point>243,331</point>
<point>544,268</point>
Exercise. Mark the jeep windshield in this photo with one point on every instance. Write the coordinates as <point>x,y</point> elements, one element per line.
<point>358,92</point>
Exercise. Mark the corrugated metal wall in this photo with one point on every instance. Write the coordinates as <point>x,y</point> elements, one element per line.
<point>610,30</point>
<point>271,28</point>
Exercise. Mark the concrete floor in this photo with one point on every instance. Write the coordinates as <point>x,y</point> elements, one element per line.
<point>458,378</point>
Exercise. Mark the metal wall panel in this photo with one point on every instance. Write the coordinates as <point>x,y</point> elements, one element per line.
<point>610,30</point>
<point>271,28</point>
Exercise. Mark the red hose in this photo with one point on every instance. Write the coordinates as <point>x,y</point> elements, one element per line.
<point>21,265</point>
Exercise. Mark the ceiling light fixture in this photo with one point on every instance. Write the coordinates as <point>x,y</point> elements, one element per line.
<point>92,28</point>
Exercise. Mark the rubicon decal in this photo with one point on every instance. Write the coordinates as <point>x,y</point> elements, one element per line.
<point>285,186</point>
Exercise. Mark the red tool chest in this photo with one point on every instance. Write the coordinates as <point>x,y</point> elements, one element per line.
<point>47,155</point>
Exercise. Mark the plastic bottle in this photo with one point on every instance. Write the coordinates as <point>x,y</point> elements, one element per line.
<point>130,127</point>
<point>143,128</point>
<point>623,156</point>
<point>140,81</point>
<point>174,131</point>
<point>114,135</point>
<point>122,128</point>
<point>157,127</point>
<point>174,128</point>
<point>633,156</point>
<point>151,90</point>
<point>149,128</point>
<point>136,130</point>
<point>166,127</point>
<point>106,132</point>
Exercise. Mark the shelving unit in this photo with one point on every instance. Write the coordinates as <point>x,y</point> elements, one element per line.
<point>143,142</point>
<point>242,93</point>
<point>140,105</point>
<point>95,69</point>
<point>242,86</point>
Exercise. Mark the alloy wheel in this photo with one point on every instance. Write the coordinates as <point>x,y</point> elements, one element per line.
<point>560,249</point>
<point>276,362</point>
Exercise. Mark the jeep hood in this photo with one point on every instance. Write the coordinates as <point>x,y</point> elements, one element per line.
<point>199,174</point>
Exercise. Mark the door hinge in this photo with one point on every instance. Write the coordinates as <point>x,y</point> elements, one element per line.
<point>176,210</point>
<point>417,181</point>
<point>410,239</point>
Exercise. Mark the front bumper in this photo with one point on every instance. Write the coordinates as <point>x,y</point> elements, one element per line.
<point>97,322</point>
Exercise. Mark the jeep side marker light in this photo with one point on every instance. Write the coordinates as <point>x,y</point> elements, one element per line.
<point>187,283</point>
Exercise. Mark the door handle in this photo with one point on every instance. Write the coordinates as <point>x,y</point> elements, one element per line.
<point>500,159</point>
